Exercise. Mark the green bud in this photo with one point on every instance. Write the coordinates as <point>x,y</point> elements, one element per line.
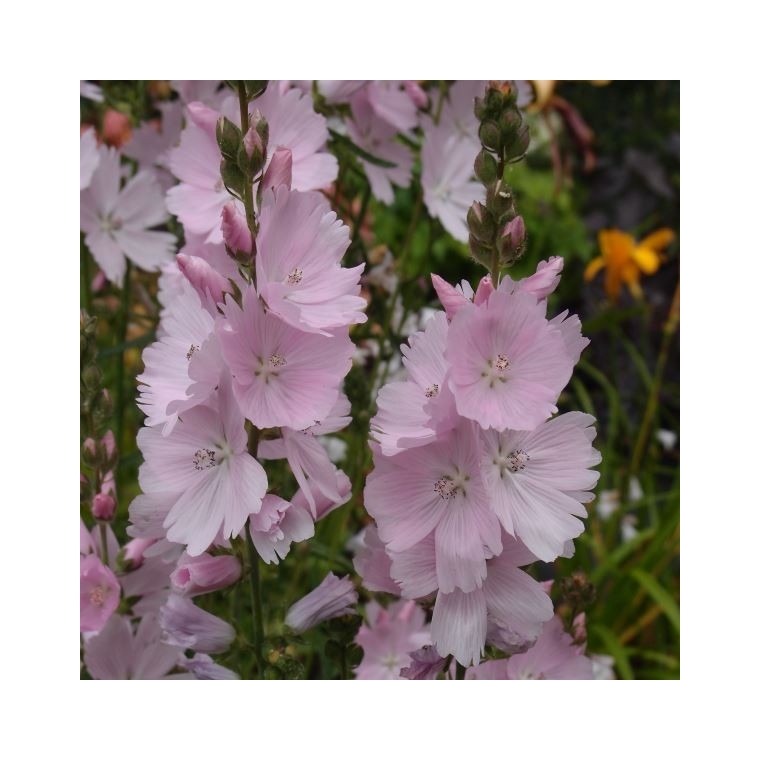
<point>486,169</point>
<point>481,109</point>
<point>494,101</point>
<point>500,201</point>
<point>490,135</point>
<point>517,147</point>
<point>232,176</point>
<point>480,252</point>
<point>481,223</point>
<point>254,88</point>
<point>92,377</point>
<point>229,138</point>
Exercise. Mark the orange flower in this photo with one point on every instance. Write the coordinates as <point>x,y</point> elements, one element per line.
<point>625,260</point>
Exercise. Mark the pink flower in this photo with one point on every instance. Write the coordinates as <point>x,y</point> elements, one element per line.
<point>190,627</point>
<point>119,652</point>
<point>298,273</point>
<point>417,411</point>
<point>537,480</point>
<point>235,230</point>
<point>89,157</point>
<point>206,91</point>
<point>323,505</point>
<point>373,564</point>
<point>205,466</point>
<point>545,280</point>
<point>99,593</point>
<point>553,657</point>
<point>438,488</point>
<point>458,112</point>
<point>508,364</point>
<point>377,138</point>
<point>205,669</point>
<point>204,573</point>
<point>169,385</point>
<point>333,597</point>
<point>388,637</point>
<point>277,525</point>
<point>205,280</point>
<point>281,376</point>
<point>447,184</point>
<point>117,221</point>
<point>393,103</point>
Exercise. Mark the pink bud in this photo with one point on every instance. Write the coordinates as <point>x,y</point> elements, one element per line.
<point>485,288</point>
<point>89,446</point>
<point>204,573</point>
<point>208,283</point>
<point>103,506</point>
<point>545,280</point>
<point>108,441</point>
<point>451,299</point>
<point>280,170</point>
<point>235,230</point>
<point>203,117</point>
<point>134,551</point>
<point>515,231</point>
<point>416,93</point>
<point>252,142</point>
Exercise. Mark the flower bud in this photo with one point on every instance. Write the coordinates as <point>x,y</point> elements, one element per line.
<point>481,223</point>
<point>280,170</point>
<point>132,554</point>
<point>206,281</point>
<point>486,168</point>
<point>116,129</point>
<point>228,137</point>
<point>480,252</point>
<point>512,240</point>
<point>490,136</point>
<point>204,573</point>
<point>108,442</point>
<point>92,376</point>
<point>333,597</point>
<point>190,627</point>
<point>499,200</point>
<point>235,230</point>
<point>485,288</point>
<point>517,147</point>
<point>103,506</point>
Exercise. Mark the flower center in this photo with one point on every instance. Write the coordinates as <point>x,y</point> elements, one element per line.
<point>98,596</point>
<point>448,487</point>
<point>515,461</point>
<point>496,370</point>
<point>295,276</point>
<point>193,348</point>
<point>204,458</point>
<point>432,390</point>
<point>390,661</point>
<point>110,223</point>
<point>275,360</point>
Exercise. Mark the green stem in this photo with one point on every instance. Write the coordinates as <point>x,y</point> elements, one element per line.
<point>103,543</point>
<point>460,672</point>
<point>86,277</point>
<point>649,412</point>
<point>256,605</point>
<point>120,390</point>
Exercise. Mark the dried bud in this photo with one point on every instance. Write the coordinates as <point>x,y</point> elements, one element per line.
<point>103,506</point>
<point>280,170</point>
<point>235,231</point>
<point>481,223</point>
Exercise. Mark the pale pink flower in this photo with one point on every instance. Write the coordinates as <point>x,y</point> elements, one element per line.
<point>205,280</point>
<point>458,113</point>
<point>133,553</point>
<point>438,488</point>
<point>281,376</point>
<point>206,91</point>
<point>426,664</point>
<point>373,564</point>
<point>377,138</point>
<point>235,231</point>
<point>99,593</point>
<point>335,90</point>
<point>168,386</point>
<point>280,170</point>
<point>393,103</point>
<point>117,221</point>
<point>388,637</point>
<point>537,480</point>
<point>508,363</point>
<point>323,505</point>
<point>447,184</point>
<point>190,627</point>
<point>119,652</point>
<point>300,244</point>
<point>206,461</point>
<point>205,669</point>
<point>417,411</point>
<point>90,90</point>
<point>277,525</point>
<point>204,573</point>
<point>89,157</point>
<point>333,597</point>
<point>545,280</point>
<point>453,298</point>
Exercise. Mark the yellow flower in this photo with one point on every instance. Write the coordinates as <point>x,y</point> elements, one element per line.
<point>625,259</point>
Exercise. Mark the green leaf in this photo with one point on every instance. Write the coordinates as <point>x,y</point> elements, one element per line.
<point>660,596</point>
<point>354,148</point>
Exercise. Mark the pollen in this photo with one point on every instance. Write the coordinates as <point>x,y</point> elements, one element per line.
<point>432,390</point>
<point>203,459</point>
<point>275,360</point>
<point>445,488</point>
<point>517,460</point>
<point>98,596</point>
<point>193,348</point>
<point>501,363</point>
<point>295,276</point>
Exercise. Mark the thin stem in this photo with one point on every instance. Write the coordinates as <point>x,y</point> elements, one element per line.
<point>460,671</point>
<point>256,605</point>
<point>103,543</point>
<point>649,412</point>
<point>120,391</point>
<point>86,277</point>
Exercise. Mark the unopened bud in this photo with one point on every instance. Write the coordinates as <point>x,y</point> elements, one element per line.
<point>517,147</point>
<point>228,137</point>
<point>206,281</point>
<point>235,230</point>
<point>486,168</point>
<point>108,452</point>
<point>512,240</point>
<point>280,170</point>
<point>254,88</point>
<point>92,376</point>
<point>480,252</point>
<point>485,288</point>
<point>131,556</point>
<point>499,200</point>
<point>255,148</point>
<point>204,573</point>
<point>103,506</point>
<point>481,223</point>
<point>490,136</point>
